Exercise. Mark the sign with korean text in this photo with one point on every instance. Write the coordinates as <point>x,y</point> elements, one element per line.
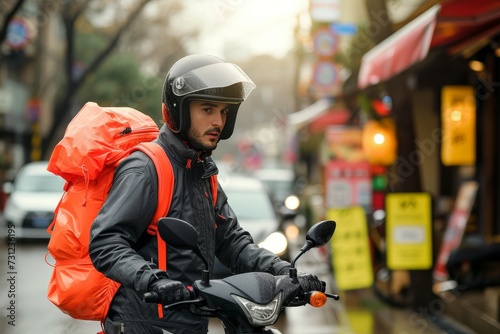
<point>408,223</point>
<point>458,115</point>
<point>344,143</point>
<point>350,249</point>
<point>348,184</point>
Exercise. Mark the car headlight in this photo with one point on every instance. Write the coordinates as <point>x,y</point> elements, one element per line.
<point>259,314</point>
<point>292,231</point>
<point>14,212</point>
<point>292,203</point>
<point>276,242</point>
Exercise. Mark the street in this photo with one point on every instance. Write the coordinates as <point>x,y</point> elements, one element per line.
<point>26,291</point>
<point>26,310</point>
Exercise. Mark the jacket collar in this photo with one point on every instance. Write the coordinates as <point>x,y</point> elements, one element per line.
<point>184,155</point>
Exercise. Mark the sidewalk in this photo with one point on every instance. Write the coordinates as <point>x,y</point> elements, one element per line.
<point>386,319</point>
<point>362,312</point>
<point>478,310</point>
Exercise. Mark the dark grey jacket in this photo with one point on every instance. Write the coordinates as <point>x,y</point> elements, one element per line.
<point>122,250</point>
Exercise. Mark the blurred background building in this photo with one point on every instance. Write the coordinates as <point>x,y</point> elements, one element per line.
<point>412,101</point>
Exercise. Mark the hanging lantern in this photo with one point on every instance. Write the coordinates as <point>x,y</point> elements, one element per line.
<point>458,116</point>
<point>379,141</point>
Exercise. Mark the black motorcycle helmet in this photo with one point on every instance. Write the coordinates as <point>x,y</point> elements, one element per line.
<point>203,77</point>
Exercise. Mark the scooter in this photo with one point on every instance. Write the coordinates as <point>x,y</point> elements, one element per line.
<point>249,302</point>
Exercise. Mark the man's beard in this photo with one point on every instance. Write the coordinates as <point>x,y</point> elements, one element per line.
<point>198,145</point>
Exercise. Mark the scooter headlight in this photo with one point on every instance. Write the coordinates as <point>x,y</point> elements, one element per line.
<point>258,314</point>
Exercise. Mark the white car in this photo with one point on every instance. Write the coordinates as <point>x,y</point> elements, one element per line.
<point>32,199</point>
<point>279,180</point>
<point>252,204</point>
<point>282,185</point>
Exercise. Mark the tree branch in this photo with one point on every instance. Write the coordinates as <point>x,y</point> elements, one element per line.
<point>62,109</point>
<point>112,43</point>
<point>78,11</point>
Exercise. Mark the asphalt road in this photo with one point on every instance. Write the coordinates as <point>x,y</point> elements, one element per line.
<point>25,277</point>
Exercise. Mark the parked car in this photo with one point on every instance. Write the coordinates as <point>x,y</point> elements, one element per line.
<point>253,205</point>
<point>285,189</point>
<point>279,180</point>
<point>31,200</point>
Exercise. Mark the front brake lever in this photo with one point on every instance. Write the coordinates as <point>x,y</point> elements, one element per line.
<point>183,302</point>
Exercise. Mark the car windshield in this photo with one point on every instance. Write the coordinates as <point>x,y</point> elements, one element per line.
<point>250,204</point>
<point>280,188</point>
<point>39,183</point>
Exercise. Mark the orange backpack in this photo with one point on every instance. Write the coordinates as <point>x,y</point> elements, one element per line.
<point>94,143</point>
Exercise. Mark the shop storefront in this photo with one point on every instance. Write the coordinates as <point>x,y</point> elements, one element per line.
<point>442,73</point>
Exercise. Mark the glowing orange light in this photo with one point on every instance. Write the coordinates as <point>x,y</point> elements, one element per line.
<point>379,141</point>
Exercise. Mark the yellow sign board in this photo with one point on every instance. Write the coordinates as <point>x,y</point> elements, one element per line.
<point>458,115</point>
<point>350,249</point>
<point>408,229</point>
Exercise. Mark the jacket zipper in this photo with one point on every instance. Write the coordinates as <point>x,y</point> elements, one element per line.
<point>203,192</point>
<point>204,184</point>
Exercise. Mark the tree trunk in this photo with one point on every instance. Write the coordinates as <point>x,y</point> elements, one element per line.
<point>62,111</point>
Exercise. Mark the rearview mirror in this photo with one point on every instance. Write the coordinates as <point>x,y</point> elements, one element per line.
<point>319,234</point>
<point>178,233</point>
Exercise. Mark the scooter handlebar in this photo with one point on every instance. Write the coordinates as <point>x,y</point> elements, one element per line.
<point>153,297</point>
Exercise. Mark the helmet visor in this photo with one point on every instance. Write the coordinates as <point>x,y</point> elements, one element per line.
<point>217,75</point>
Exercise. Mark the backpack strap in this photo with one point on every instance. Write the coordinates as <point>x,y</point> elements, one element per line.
<point>165,175</point>
<point>213,185</point>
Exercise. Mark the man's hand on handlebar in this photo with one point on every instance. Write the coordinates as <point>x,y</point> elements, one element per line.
<point>169,291</point>
<point>310,282</point>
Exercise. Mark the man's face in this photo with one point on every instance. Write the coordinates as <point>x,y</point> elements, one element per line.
<point>207,121</point>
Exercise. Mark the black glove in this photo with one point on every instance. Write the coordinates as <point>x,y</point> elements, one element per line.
<point>309,282</point>
<point>169,291</point>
